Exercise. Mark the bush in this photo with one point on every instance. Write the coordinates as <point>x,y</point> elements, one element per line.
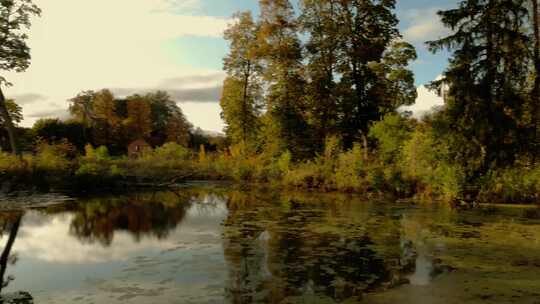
<point>96,155</point>
<point>391,133</point>
<point>511,185</point>
<point>52,158</point>
<point>424,160</point>
<point>172,151</point>
<point>348,171</point>
<point>10,163</point>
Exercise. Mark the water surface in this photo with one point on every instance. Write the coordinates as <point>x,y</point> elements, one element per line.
<point>213,244</point>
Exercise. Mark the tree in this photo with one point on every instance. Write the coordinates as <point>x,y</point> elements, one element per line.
<point>14,52</point>
<point>81,108</point>
<point>107,122</point>
<point>169,124</point>
<point>395,86</point>
<point>139,117</point>
<point>484,119</point>
<point>239,111</point>
<point>318,21</point>
<point>367,28</point>
<point>15,113</point>
<point>55,131</point>
<point>281,54</point>
<point>241,95</point>
<point>178,130</point>
<point>535,92</point>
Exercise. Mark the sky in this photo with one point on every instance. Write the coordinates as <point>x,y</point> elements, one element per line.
<point>132,46</point>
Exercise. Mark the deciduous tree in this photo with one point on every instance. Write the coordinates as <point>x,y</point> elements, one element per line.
<point>15,18</point>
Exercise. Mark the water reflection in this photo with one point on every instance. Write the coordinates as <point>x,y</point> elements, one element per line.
<point>216,245</point>
<point>152,215</point>
<point>300,249</point>
<point>9,224</point>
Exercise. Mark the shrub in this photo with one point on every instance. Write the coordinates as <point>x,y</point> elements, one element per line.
<point>391,133</point>
<point>172,151</point>
<point>425,161</point>
<point>99,154</point>
<point>52,158</point>
<point>517,184</point>
<point>347,176</point>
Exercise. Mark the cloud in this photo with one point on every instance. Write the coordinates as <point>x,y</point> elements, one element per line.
<point>55,113</point>
<point>192,80</point>
<point>424,25</point>
<point>426,102</point>
<point>189,88</point>
<point>78,45</point>
<point>50,240</point>
<point>29,98</point>
<point>209,94</point>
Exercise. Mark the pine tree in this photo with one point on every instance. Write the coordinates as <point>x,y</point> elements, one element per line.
<point>486,79</point>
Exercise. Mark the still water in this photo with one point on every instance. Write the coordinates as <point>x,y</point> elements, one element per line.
<point>214,244</point>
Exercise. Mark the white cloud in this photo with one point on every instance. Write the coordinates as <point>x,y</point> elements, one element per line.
<point>80,44</point>
<point>424,25</point>
<point>50,240</point>
<point>426,102</point>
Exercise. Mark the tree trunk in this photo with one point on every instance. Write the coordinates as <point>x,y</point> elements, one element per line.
<point>365,146</point>
<point>535,94</point>
<point>244,102</point>
<point>7,250</point>
<point>536,28</point>
<point>9,124</point>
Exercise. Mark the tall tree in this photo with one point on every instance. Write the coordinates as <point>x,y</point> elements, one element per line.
<point>15,18</point>
<point>395,82</point>
<point>318,21</point>
<point>240,100</point>
<point>81,108</point>
<point>486,80</point>
<point>356,65</point>
<point>535,92</point>
<point>240,111</point>
<point>107,121</point>
<point>281,52</point>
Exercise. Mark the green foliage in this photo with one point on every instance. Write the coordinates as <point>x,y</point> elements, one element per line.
<point>96,154</point>
<point>172,151</point>
<point>425,160</point>
<point>348,171</point>
<point>391,133</point>
<point>53,157</point>
<point>10,164</point>
<point>518,184</point>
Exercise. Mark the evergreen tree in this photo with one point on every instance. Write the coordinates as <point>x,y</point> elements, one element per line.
<point>483,121</point>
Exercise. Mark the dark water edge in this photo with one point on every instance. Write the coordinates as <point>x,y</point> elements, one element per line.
<point>216,243</point>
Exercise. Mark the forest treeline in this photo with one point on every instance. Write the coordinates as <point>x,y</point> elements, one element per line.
<point>336,71</point>
<point>313,98</point>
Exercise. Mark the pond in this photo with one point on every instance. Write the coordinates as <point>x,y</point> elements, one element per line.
<point>218,244</point>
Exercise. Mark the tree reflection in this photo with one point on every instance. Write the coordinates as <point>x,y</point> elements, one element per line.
<point>300,248</point>
<point>10,223</point>
<point>147,214</point>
